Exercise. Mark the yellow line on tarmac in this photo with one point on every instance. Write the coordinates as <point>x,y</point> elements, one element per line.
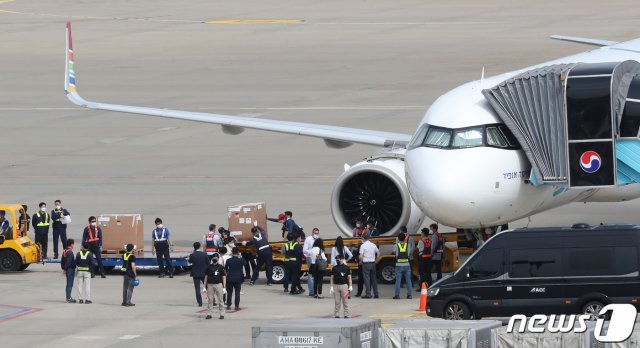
<point>255,21</point>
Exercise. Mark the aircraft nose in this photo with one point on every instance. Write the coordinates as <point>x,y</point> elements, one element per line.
<point>455,187</point>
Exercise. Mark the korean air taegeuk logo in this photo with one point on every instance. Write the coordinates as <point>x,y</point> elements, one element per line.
<point>590,161</point>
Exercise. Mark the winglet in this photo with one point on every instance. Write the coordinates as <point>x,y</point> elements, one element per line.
<point>70,73</point>
<point>582,40</point>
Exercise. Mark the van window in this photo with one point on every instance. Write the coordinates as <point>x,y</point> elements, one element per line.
<point>602,261</point>
<point>534,263</point>
<point>486,264</point>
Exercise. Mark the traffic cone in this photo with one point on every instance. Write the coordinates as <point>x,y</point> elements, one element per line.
<point>423,298</point>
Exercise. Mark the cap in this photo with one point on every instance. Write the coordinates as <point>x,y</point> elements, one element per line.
<point>281,216</point>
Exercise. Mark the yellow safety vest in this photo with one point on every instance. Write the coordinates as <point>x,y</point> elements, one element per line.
<point>84,257</point>
<point>45,222</point>
<point>289,247</point>
<point>125,257</point>
<point>403,256</point>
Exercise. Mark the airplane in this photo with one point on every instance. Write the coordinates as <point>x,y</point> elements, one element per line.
<point>473,163</point>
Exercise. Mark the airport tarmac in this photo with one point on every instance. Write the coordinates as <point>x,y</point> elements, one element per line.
<point>369,64</point>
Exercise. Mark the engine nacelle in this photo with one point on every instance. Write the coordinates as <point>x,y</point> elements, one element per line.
<point>375,190</point>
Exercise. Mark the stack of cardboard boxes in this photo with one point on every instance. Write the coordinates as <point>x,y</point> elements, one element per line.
<point>243,217</point>
<point>118,230</point>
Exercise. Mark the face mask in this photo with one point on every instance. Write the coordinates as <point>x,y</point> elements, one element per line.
<point>358,225</point>
<point>93,224</point>
<point>214,260</point>
<point>58,207</point>
<point>159,225</point>
<point>315,236</point>
<point>43,209</point>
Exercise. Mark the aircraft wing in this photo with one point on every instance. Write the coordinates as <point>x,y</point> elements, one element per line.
<point>334,136</point>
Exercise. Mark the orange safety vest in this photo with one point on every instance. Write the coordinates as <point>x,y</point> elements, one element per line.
<point>426,252</point>
<point>358,232</point>
<point>93,236</point>
<point>209,238</point>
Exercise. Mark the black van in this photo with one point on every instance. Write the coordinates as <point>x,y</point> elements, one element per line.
<point>543,271</point>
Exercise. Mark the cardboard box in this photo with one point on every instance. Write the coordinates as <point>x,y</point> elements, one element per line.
<point>242,218</point>
<point>118,230</point>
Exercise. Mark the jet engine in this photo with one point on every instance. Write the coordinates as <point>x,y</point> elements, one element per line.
<point>375,190</point>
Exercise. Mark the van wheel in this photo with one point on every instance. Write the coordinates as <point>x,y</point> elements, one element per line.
<point>9,261</point>
<point>592,308</point>
<point>278,272</point>
<point>457,311</point>
<point>387,271</point>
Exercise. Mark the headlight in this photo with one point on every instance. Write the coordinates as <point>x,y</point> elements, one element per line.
<point>433,292</point>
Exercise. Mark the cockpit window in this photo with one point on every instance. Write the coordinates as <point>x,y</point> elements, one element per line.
<point>438,137</point>
<point>468,137</point>
<point>496,138</point>
<point>491,135</point>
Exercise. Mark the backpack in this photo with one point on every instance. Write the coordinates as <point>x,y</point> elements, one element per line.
<point>321,264</point>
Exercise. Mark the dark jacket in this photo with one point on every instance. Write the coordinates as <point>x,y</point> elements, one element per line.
<point>56,216</point>
<point>40,217</point>
<point>68,260</point>
<point>85,235</point>
<point>199,261</point>
<point>235,269</point>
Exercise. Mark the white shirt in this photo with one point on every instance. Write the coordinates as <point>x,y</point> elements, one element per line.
<point>314,253</point>
<point>334,252</point>
<point>368,251</point>
<point>308,244</point>
<point>224,258</point>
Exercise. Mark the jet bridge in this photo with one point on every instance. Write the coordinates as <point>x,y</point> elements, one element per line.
<point>578,124</point>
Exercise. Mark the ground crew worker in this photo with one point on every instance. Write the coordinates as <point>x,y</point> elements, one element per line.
<point>265,256</point>
<point>292,251</point>
<point>211,241</point>
<point>5,227</point>
<point>306,250</point>
<point>437,249</point>
<point>161,238</point>
<point>59,229</point>
<point>92,235</point>
<point>234,267</point>
<point>68,264</point>
<point>340,282</point>
<point>424,262</point>
<point>40,222</point>
<point>372,229</point>
<point>291,226</point>
<point>404,253</point>
<point>215,281</point>
<point>199,261</point>
<point>358,232</point>
<point>24,221</point>
<point>129,273</point>
<point>368,255</point>
<point>84,265</point>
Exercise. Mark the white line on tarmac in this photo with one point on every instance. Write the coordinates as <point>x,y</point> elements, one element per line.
<point>281,108</point>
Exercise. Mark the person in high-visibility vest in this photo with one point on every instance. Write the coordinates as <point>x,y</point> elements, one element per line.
<point>130,274</point>
<point>293,255</point>
<point>211,241</point>
<point>403,251</point>
<point>92,235</point>
<point>161,246</point>
<point>437,249</point>
<point>58,227</point>
<point>40,222</point>
<point>424,259</point>
<point>84,265</point>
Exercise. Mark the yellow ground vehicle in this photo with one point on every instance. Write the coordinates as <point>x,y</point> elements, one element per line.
<point>17,251</point>
<point>385,265</point>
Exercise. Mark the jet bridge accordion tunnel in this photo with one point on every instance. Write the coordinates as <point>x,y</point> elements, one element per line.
<point>577,123</point>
